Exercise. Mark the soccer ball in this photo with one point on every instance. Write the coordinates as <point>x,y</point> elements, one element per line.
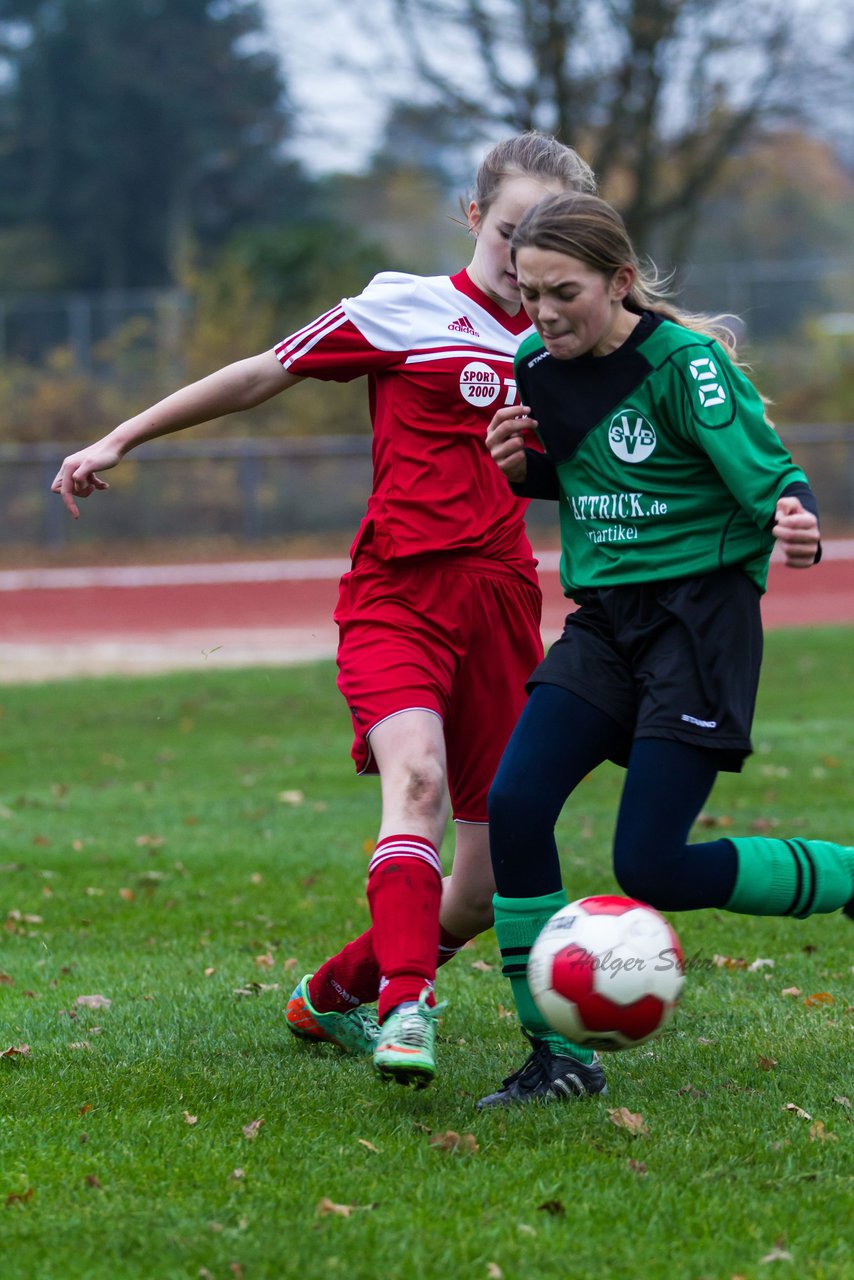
<point>606,972</point>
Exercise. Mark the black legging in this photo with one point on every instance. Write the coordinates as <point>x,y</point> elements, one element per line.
<point>559,739</point>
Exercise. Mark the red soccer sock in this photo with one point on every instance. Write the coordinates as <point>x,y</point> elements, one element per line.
<point>349,978</point>
<point>352,977</point>
<point>449,945</point>
<point>405,893</point>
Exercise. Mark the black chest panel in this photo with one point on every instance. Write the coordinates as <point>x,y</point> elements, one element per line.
<point>569,398</point>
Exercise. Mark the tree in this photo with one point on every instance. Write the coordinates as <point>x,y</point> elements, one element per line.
<point>131,130</point>
<point>656,94</point>
<point>774,239</point>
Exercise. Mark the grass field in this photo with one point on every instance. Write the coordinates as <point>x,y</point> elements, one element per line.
<point>185,847</point>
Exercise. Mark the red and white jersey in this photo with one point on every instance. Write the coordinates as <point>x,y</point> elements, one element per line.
<point>439,357</point>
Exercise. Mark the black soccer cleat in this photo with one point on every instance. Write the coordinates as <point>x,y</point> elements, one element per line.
<point>848,909</point>
<point>547,1076</point>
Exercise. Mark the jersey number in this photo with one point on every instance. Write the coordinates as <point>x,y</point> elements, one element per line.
<point>704,371</point>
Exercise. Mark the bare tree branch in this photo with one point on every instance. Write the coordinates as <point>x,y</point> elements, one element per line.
<point>655,93</point>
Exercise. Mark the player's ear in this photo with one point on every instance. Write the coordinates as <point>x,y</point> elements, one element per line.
<point>474,218</point>
<point>622,281</point>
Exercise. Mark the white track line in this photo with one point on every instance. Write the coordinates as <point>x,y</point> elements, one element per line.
<point>172,575</point>
<point>180,575</point>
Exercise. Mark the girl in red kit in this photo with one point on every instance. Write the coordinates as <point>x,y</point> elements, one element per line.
<point>439,614</point>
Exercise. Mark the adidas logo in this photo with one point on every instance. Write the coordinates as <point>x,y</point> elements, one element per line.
<point>464,325</point>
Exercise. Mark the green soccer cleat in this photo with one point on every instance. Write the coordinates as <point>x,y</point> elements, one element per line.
<point>355,1031</point>
<point>405,1049</point>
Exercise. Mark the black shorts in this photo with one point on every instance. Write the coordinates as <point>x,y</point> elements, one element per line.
<point>677,659</point>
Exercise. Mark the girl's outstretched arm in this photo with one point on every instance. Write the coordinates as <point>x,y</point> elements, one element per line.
<point>237,386</point>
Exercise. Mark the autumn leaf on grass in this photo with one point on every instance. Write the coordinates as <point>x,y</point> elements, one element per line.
<point>493,1271</point>
<point>778,1253</point>
<point>710,820</point>
<point>20,1198</point>
<point>796,1111</point>
<point>818,998</point>
<point>556,1208</point>
<point>790,991</point>
<point>631,1120</point>
<point>6,980</point>
<point>766,1064</point>
<point>363,1142</point>
<point>250,1131</point>
<point>150,842</point>
<point>15,1051</point>
<point>482,967</point>
<point>325,1207</point>
<point>256,988</point>
<point>188,1119</point>
<point>691,1091</point>
<point>818,1133</point>
<point>94,1002</point>
<point>16,917</point>
<point>266,961</point>
<point>451,1141</point>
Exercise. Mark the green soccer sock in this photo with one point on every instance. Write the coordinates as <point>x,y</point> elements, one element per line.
<point>518,922</point>
<point>791,877</point>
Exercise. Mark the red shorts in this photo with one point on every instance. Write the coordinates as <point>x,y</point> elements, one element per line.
<point>452,634</point>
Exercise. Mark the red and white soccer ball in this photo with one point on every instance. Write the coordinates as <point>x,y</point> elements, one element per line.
<point>606,972</point>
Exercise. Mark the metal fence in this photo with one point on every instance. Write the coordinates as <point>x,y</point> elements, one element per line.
<point>249,491</point>
<point>33,324</point>
<point>772,298</point>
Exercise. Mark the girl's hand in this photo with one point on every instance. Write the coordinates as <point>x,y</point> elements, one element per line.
<point>77,477</point>
<point>796,531</point>
<point>505,440</point>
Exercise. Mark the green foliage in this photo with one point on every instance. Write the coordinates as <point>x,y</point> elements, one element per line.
<point>264,286</point>
<point>188,846</point>
<point>814,377</point>
<point>772,243</point>
<point>259,288</point>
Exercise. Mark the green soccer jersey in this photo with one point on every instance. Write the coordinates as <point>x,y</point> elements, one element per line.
<point>666,462</point>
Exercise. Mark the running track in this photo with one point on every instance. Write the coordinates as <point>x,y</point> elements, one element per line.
<point>58,623</point>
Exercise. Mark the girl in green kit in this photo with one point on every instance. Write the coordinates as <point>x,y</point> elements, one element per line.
<point>673,489</point>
